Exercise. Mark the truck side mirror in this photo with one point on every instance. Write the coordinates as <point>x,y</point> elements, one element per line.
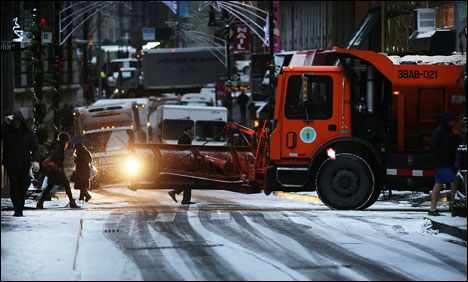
<point>305,89</point>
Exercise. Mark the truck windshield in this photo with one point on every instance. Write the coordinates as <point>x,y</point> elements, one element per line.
<point>208,130</point>
<point>106,141</point>
<point>320,103</point>
<point>174,128</point>
<point>126,75</point>
<point>197,104</point>
<point>115,66</point>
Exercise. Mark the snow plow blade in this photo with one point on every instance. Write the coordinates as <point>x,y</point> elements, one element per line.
<point>167,166</point>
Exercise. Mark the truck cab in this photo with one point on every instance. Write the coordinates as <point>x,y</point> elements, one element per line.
<point>347,131</point>
<point>124,83</point>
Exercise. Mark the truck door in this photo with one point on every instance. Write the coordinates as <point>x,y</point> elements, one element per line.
<point>308,124</point>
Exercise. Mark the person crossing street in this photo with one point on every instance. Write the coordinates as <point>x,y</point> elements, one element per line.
<point>20,150</point>
<point>58,177</point>
<point>186,139</point>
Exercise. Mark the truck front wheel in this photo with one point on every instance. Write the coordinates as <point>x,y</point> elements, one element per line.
<point>345,183</point>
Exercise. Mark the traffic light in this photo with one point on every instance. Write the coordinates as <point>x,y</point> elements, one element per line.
<point>60,65</point>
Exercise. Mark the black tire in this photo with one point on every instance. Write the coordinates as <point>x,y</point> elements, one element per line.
<point>346,183</point>
<point>373,198</point>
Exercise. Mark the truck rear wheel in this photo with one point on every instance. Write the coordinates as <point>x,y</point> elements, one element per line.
<point>345,183</point>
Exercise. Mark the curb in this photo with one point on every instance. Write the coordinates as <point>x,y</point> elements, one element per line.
<point>443,228</point>
<point>448,229</point>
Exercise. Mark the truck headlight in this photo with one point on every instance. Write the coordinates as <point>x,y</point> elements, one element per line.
<point>116,91</point>
<point>132,167</point>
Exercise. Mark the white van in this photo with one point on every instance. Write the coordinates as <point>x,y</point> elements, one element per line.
<point>198,99</point>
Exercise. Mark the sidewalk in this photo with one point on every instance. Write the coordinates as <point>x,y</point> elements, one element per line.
<point>404,200</point>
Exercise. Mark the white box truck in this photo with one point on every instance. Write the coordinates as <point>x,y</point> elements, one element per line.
<point>169,121</point>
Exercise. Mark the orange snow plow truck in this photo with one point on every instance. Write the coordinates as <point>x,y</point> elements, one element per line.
<point>345,131</point>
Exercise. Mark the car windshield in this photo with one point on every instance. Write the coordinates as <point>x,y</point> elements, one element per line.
<point>210,131</point>
<point>106,141</point>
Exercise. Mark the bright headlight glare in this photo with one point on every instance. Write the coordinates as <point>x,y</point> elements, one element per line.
<point>132,166</point>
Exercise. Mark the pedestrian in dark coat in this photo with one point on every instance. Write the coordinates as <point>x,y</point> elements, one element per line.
<point>186,139</point>
<point>58,177</point>
<point>83,160</point>
<point>443,152</point>
<point>20,149</point>
<point>242,101</point>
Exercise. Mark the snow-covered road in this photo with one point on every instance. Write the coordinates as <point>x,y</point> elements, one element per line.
<point>143,235</point>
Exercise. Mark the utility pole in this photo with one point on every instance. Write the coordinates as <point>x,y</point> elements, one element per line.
<point>85,70</point>
<point>37,55</point>
<point>99,62</point>
<point>271,95</point>
<point>228,100</point>
<point>56,73</point>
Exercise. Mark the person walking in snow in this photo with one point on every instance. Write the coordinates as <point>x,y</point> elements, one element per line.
<point>443,152</point>
<point>186,139</point>
<point>83,160</point>
<point>20,150</point>
<point>242,101</point>
<point>58,177</point>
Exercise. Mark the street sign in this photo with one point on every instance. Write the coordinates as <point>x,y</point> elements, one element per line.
<point>149,34</point>
<point>46,37</point>
<point>241,38</point>
<point>227,76</point>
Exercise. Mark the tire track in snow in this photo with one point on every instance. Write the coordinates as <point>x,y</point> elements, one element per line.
<point>241,231</point>
<point>361,265</point>
<point>448,261</point>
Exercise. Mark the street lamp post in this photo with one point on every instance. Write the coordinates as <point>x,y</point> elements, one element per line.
<point>228,102</point>
<point>56,73</point>
<point>272,57</point>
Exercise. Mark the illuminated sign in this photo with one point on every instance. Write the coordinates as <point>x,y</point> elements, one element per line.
<point>17,31</point>
<point>241,38</point>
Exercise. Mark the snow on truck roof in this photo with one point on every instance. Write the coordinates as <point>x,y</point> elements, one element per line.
<point>428,60</point>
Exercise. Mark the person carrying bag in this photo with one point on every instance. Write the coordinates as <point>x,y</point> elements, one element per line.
<point>55,175</point>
